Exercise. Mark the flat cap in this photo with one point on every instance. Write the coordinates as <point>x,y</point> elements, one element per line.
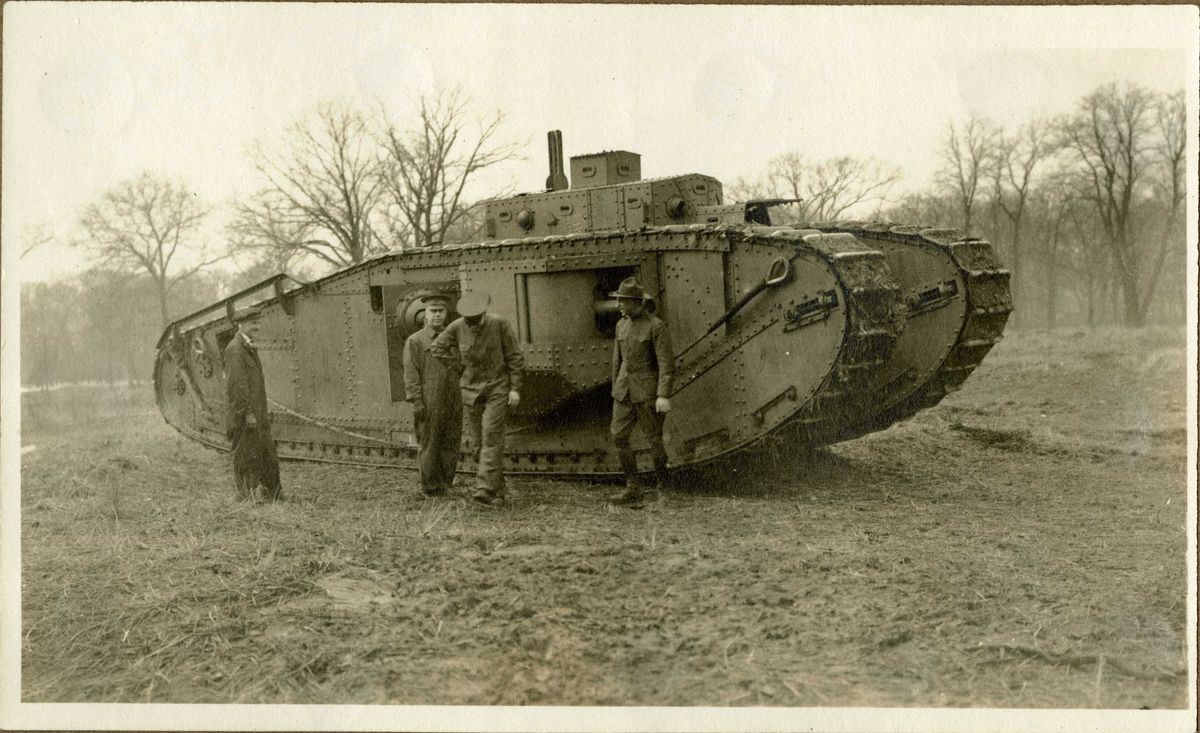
<point>245,314</point>
<point>473,304</point>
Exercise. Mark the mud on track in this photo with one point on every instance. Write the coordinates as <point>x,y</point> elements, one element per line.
<point>1020,545</point>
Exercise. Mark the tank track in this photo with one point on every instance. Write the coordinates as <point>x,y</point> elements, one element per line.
<point>875,320</point>
<point>989,303</point>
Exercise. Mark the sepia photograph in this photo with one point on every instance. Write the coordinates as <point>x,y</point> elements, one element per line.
<point>598,367</point>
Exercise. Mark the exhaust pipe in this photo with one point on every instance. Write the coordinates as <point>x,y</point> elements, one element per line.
<point>557,180</point>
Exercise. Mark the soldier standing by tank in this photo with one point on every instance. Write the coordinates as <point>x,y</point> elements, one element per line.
<point>437,405</point>
<point>491,361</point>
<point>247,425</point>
<point>643,366</point>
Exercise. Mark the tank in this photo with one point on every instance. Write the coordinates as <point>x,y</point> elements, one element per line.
<point>787,337</point>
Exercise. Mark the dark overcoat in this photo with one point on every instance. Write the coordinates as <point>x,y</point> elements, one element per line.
<point>245,389</point>
<point>255,461</point>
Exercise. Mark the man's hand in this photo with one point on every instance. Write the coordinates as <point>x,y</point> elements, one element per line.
<point>514,399</point>
<point>251,420</point>
<point>663,405</point>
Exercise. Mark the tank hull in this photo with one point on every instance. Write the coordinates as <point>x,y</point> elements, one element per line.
<point>796,361</point>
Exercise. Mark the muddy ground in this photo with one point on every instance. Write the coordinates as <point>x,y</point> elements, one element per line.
<point>1020,545</point>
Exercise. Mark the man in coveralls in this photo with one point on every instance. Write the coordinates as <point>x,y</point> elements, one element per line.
<point>643,366</point>
<point>247,425</point>
<point>436,403</point>
<point>491,361</point>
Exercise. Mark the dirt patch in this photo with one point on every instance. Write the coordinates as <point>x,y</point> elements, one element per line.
<point>989,552</point>
<point>339,591</point>
<point>1006,440</point>
<point>354,593</point>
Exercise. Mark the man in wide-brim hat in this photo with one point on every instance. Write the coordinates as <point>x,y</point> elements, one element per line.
<point>643,367</point>
<point>247,425</point>
<point>484,346</point>
<point>433,391</point>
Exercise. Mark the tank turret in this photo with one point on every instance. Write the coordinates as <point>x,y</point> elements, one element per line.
<point>605,192</point>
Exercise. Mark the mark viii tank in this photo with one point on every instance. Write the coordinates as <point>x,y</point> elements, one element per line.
<point>788,336</point>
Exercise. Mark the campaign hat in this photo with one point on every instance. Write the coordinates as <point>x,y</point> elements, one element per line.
<point>630,289</point>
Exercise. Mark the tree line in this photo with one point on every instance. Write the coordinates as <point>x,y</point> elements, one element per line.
<point>1086,210</point>
<point>341,184</point>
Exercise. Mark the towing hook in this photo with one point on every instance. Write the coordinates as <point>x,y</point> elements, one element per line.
<point>778,272</point>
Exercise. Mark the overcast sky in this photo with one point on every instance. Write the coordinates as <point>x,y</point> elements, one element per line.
<point>96,93</point>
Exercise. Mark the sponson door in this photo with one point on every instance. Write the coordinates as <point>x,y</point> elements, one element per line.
<point>563,318</point>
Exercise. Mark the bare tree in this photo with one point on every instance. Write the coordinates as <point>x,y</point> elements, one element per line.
<point>262,265</point>
<point>1093,268</point>
<point>469,227</point>
<point>322,193</point>
<point>425,170</point>
<point>35,237</point>
<point>147,225</point>
<point>1167,181</point>
<point>1049,207</point>
<point>748,189</point>
<point>827,189</point>
<point>967,153</point>
<point>1109,137</point>
<point>993,177</point>
<point>1017,159</point>
<point>923,208</point>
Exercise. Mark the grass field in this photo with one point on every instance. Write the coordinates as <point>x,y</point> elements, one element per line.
<point>1020,545</point>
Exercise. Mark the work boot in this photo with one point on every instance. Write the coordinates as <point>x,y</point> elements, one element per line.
<point>263,492</point>
<point>484,497</point>
<point>631,497</point>
<point>662,477</point>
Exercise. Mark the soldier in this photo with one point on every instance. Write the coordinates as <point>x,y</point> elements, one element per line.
<point>642,369</point>
<point>247,425</point>
<point>436,403</point>
<point>491,385</point>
